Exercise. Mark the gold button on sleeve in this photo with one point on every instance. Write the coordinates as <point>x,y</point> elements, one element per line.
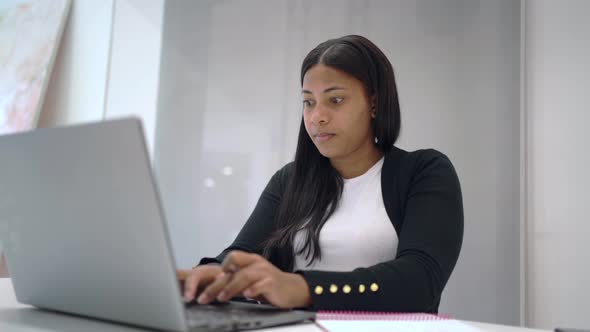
<point>318,290</point>
<point>361,288</point>
<point>346,289</point>
<point>374,287</point>
<point>333,288</point>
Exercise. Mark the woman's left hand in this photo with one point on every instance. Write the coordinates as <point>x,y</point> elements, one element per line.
<point>253,276</point>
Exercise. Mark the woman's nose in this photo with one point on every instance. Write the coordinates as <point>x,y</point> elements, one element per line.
<point>320,116</point>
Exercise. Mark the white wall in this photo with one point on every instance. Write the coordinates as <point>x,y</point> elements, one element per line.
<point>76,90</point>
<point>558,99</point>
<point>107,65</point>
<point>135,62</point>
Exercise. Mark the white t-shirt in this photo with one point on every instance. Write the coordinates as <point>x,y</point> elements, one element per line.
<point>359,233</point>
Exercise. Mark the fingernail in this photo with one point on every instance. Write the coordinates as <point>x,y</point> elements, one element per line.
<point>221,296</point>
<point>187,297</point>
<point>203,298</point>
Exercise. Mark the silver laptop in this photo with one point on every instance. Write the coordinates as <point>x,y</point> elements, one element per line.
<point>84,232</point>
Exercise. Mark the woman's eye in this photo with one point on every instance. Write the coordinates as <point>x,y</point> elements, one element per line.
<point>337,100</point>
<point>307,103</point>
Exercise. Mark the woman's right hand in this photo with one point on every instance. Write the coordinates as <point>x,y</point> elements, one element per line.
<point>198,278</point>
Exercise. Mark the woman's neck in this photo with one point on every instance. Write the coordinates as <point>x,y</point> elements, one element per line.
<point>358,162</point>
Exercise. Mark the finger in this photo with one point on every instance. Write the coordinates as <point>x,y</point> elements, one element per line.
<point>181,275</point>
<point>198,277</point>
<point>258,289</point>
<point>214,288</point>
<point>242,280</point>
<point>191,282</point>
<point>236,260</point>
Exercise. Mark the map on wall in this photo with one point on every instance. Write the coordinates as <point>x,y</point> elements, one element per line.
<point>29,38</point>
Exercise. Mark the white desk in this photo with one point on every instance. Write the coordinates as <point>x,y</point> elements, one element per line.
<point>16,317</point>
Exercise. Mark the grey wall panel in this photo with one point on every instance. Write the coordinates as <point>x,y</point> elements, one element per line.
<point>229,98</point>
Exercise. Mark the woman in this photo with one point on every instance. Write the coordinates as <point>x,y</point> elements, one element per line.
<point>354,223</point>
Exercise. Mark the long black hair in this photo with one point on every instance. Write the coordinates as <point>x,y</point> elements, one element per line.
<point>314,187</point>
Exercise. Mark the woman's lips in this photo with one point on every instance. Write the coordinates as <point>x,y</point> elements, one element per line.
<point>323,137</point>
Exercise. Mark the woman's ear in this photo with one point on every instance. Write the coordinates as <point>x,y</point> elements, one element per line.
<point>373,106</point>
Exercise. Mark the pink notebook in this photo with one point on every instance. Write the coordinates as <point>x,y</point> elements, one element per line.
<point>336,321</point>
<point>372,315</point>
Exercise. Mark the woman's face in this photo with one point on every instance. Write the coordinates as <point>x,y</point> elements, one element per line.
<point>337,112</point>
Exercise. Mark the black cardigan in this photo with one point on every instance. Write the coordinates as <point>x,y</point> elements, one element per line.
<point>422,197</point>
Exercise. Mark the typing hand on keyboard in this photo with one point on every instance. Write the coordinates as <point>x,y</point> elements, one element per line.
<point>248,275</point>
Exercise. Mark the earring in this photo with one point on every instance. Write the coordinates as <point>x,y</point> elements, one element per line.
<point>376,140</point>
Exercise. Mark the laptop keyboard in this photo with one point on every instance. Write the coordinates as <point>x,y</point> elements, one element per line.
<point>229,316</point>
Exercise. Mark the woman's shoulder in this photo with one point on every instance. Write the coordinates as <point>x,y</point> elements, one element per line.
<point>286,170</point>
<point>281,177</point>
<point>406,163</point>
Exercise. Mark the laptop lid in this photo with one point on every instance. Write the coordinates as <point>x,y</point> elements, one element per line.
<point>82,225</point>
